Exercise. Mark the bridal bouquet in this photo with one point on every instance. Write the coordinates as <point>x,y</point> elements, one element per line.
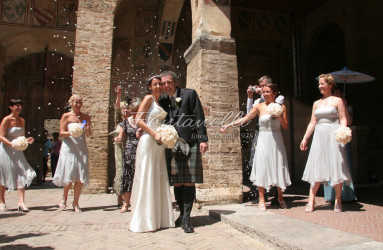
<point>20,143</point>
<point>274,109</point>
<point>169,135</point>
<point>75,129</point>
<point>343,135</point>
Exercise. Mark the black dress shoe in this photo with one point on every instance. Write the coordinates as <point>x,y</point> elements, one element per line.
<point>187,227</point>
<point>178,222</point>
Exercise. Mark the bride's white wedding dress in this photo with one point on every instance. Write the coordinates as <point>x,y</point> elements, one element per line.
<point>151,200</point>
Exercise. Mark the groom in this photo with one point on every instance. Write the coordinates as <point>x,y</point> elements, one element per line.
<point>185,113</point>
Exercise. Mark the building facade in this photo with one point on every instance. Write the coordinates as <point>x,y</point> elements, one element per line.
<point>50,49</point>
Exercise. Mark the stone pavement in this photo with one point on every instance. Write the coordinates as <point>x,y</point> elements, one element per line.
<point>234,226</point>
<point>360,226</point>
<point>101,226</point>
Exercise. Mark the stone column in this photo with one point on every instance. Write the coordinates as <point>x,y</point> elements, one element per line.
<point>91,79</point>
<point>212,72</point>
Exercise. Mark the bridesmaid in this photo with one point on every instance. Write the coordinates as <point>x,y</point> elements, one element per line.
<point>73,163</point>
<point>15,172</point>
<point>327,158</point>
<point>128,130</point>
<point>270,167</point>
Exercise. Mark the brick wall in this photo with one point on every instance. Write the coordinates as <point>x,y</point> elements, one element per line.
<point>91,79</point>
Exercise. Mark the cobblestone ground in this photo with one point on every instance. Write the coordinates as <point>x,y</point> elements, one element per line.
<point>364,217</point>
<point>102,226</point>
<point>357,218</point>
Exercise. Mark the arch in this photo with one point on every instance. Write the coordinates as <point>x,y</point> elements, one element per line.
<point>20,44</point>
<point>43,81</point>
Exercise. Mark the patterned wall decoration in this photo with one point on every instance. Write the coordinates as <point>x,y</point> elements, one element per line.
<point>142,54</point>
<point>43,13</point>
<point>146,23</point>
<point>165,51</point>
<point>54,14</point>
<point>260,23</point>
<point>66,14</point>
<point>14,11</point>
<point>168,29</point>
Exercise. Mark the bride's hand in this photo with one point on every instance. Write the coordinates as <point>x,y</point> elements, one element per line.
<point>138,133</point>
<point>158,138</point>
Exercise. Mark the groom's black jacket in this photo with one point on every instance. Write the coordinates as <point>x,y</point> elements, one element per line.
<point>186,116</point>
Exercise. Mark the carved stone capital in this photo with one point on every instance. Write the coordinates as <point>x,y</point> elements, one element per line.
<point>98,5</point>
<point>208,42</point>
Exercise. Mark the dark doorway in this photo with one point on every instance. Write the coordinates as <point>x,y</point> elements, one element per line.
<point>43,82</point>
<point>326,54</point>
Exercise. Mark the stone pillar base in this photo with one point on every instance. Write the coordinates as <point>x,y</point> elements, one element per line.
<point>212,196</point>
<point>212,72</point>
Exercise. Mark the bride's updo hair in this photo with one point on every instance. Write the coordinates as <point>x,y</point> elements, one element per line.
<point>329,79</point>
<point>273,87</point>
<point>149,82</point>
<point>74,98</point>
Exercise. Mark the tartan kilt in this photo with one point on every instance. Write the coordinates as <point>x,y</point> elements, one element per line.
<point>187,170</point>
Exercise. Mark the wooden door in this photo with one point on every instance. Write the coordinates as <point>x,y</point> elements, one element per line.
<point>43,82</point>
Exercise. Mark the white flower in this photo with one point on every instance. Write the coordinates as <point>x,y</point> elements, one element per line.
<point>20,143</point>
<point>178,99</point>
<point>169,135</point>
<point>274,109</point>
<point>343,135</point>
<point>75,129</point>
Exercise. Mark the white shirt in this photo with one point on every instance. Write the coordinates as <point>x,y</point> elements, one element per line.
<point>250,104</point>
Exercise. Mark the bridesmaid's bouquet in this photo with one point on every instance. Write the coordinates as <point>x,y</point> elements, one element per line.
<point>343,135</point>
<point>274,109</point>
<point>20,143</point>
<point>75,129</point>
<point>169,135</point>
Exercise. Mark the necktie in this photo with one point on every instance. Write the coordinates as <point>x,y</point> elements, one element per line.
<point>173,101</point>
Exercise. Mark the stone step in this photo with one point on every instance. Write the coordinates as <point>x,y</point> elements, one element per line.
<point>282,232</point>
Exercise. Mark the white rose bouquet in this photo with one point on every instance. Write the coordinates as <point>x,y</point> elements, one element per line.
<point>169,135</point>
<point>343,135</point>
<point>20,143</point>
<point>75,129</point>
<point>274,109</point>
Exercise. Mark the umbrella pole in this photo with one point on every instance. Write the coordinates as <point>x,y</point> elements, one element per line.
<point>344,89</point>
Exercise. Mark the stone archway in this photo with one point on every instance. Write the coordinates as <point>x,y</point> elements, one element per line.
<point>43,82</point>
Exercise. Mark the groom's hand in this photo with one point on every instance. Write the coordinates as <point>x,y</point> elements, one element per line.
<point>203,147</point>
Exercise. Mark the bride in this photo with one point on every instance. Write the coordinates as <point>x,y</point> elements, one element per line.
<point>151,199</point>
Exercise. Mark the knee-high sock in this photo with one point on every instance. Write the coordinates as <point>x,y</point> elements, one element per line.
<point>179,196</point>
